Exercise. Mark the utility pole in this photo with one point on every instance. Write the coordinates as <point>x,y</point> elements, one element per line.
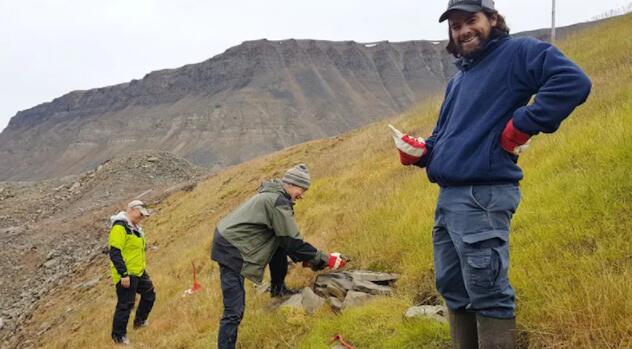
<point>553,23</point>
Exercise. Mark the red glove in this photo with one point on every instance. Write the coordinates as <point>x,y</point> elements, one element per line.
<point>410,149</point>
<point>336,262</point>
<point>513,140</point>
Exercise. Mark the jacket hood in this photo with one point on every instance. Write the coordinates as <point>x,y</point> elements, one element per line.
<point>274,186</point>
<point>121,216</point>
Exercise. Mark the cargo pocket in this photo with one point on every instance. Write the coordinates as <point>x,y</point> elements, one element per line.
<point>481,268</point>
<point>481,252</point>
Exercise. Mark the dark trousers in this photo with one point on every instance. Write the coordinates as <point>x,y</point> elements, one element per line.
<point>234,303</point>
<point>125,302</point>
<point>234,296</point>
<point>278,267</point>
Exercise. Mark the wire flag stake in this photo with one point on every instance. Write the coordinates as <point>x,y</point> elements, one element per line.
<point>196,285</point>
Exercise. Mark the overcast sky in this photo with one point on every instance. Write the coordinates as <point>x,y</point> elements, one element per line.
<point>51,47</point>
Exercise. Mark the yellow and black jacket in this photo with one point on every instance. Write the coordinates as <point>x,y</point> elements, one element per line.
<point>127,248</point>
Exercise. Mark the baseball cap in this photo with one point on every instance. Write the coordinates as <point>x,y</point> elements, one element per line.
<point>468,6</point>
<point>140,206</point>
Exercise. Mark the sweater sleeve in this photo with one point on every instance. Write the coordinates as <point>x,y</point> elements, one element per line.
<point>559,86</point>
<point>286,231</point>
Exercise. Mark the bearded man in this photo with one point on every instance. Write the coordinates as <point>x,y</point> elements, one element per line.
<point>485,122</point>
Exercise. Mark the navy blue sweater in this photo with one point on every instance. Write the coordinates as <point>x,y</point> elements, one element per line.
<point>485,94</point>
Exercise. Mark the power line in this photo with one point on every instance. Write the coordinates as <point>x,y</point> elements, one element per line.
<point>553,22</point>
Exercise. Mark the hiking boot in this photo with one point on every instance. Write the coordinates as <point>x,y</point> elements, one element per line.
<point>120,340</point>
<point>140,324</point>
<point>282,291</point>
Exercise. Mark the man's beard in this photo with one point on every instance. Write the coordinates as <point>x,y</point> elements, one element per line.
<point>475,52</point>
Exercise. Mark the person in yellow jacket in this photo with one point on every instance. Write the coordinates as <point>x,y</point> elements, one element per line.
<point>127,262</point>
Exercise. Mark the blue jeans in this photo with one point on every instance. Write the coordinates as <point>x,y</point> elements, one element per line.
<point>234,303</point>
<point>471,248</point>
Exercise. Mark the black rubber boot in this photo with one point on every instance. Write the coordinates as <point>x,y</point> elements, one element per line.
<point>496,333</point>
<point>280,290</point>
<point>463,329</point>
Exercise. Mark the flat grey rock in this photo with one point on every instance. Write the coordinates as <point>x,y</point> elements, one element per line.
<point>311,302</point>
<point>334,291</point>
<point>341,279</point>
<point>335,284</point>
<point>343,283</point>
<point>372,288</point>
<point>296,301</point>
<point>335,303</point>
<point>321,291</point>
<point>365,275</point>
<point>354,298</point>
<point>435,312</point>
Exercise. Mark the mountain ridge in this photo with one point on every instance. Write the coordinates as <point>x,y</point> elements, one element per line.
<point>274,94</point>
<point>252,99</point>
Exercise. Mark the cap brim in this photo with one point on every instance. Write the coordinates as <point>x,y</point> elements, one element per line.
<point>462,7</point>
<point>143,211</point>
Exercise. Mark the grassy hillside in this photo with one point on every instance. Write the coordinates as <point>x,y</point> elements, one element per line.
<point>571,245</point>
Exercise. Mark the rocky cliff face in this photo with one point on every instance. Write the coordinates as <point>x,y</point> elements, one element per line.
<point>253,99</point>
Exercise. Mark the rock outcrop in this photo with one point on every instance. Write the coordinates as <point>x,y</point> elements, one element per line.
<point>253,99</point>
<point>342,290</point>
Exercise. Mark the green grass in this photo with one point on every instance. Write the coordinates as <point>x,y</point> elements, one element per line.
<point>571,245</point>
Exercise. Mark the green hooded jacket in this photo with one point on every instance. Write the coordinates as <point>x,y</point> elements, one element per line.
<point>248,237</point>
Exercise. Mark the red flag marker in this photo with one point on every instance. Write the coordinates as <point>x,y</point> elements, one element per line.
<point>196,285</point>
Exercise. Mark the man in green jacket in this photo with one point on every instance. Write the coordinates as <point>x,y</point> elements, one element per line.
<point>127,262</point>
<point>263,231</point>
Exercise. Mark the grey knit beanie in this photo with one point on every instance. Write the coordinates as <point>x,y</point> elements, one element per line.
<point>298,176</point>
